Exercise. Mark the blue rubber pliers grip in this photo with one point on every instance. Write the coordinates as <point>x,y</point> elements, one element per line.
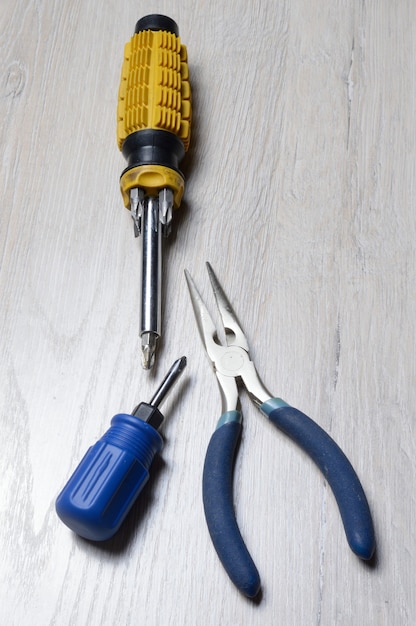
<point>232,364</point>
<point>336,468</point>
<point>217,493</point>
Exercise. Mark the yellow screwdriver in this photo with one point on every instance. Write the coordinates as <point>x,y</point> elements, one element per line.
<point>153,131</point>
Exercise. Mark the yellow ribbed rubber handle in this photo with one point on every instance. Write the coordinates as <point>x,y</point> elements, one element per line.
<point>154,89</point>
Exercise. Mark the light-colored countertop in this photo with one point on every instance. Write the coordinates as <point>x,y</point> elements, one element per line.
<point>301,184</point>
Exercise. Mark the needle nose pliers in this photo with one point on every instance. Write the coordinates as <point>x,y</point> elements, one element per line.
<point>233,366</point>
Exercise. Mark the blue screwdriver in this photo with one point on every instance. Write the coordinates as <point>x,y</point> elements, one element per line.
<point>103,488</point>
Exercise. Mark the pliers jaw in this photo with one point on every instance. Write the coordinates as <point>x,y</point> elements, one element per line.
<point>231,363</point>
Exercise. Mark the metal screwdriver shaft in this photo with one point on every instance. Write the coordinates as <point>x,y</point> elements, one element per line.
<point>151,281</point>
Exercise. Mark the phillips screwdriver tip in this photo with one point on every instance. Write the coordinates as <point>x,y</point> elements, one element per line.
<point>181,363</point>
<point>169,381</point>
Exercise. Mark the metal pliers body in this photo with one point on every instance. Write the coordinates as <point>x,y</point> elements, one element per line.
<point>233,367</point>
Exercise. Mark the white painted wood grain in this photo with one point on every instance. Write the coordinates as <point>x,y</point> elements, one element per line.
<point>300,191</point>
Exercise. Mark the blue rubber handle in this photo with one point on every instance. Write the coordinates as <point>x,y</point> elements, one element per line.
<point>217,490</point>
<point>103,488</point>
<point>337,469</point>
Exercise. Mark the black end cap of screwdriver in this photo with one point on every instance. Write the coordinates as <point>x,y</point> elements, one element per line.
<point>157,22</point>
<point>149,414</point>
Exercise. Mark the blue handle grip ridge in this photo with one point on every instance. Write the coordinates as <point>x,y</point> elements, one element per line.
<point>217,489</point>
<point>103,488</point>
<point>337,469</point>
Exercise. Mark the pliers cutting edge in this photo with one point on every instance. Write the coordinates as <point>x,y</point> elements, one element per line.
<point>232,366</point>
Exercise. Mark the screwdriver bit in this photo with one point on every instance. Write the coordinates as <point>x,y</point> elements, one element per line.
<point>103,488</point>
<point>153,132</point>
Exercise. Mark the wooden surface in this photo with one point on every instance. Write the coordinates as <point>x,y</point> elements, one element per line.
<point>301,180</point>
